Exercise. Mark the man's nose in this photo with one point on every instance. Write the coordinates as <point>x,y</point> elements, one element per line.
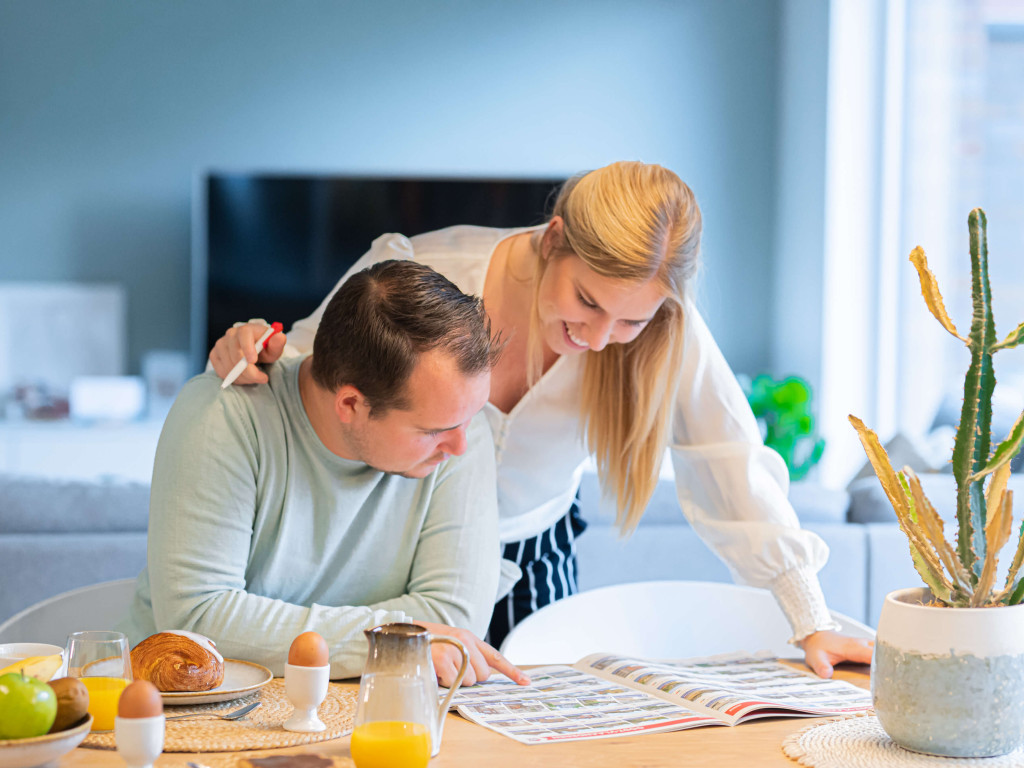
<point>455,442</point>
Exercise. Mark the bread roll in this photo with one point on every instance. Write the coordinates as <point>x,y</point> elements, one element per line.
<point>178,661</point>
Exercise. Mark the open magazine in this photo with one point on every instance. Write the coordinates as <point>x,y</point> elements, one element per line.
<point>606,695</point>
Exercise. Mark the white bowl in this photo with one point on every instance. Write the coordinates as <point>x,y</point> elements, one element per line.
<point>12,652</point>
<point>25,753</point>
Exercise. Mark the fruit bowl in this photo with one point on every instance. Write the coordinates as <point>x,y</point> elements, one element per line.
<point>39,750</point>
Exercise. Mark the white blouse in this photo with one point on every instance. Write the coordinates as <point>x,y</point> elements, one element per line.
<point>732,489</point>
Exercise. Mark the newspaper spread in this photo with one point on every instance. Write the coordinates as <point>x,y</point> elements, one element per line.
<point>605,695</point>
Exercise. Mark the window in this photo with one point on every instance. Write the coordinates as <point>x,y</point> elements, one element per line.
<point>964,148</point>
<point>925,122</point>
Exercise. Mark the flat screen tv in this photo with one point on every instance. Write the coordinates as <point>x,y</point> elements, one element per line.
<point>273,245</point>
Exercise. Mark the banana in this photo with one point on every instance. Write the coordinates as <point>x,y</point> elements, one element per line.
<point>39,667</point>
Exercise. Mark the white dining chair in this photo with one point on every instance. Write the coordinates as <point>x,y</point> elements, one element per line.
<point>98,606</point>
<point>659,620</point>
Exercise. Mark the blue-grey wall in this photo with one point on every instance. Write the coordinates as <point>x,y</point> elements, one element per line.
<point>798,266</point>
<point>109,107</point>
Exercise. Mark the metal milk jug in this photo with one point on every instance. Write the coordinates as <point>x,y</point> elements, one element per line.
<point>399,720</point>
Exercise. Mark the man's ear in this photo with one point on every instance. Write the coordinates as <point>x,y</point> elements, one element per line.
<point>349,403</point>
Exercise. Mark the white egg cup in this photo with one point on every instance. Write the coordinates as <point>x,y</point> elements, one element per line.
<point>140,740</point>
<point>306,688</point>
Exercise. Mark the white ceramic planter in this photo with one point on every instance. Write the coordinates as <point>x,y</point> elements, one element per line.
<point>949,681</point>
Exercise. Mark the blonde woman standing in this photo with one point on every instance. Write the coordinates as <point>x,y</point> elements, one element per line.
<point>607,357</point>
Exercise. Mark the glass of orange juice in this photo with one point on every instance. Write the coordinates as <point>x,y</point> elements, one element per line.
<point>387,743</point>
<point>100,659</point>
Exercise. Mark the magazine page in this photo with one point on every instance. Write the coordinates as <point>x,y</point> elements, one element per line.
<point>733,687</point>
<point>566,704</point>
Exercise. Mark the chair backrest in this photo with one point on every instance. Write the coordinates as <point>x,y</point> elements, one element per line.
<point>659,620</point>
<point>98,606</point>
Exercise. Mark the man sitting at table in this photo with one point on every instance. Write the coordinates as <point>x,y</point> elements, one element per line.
<point>355,488</point>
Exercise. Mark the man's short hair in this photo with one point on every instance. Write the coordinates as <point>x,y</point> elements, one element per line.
<point>381,319</point>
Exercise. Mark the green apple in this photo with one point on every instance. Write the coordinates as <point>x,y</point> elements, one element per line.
<point>28,706</point>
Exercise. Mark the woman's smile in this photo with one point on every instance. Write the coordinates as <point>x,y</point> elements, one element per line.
<point>574,341</point>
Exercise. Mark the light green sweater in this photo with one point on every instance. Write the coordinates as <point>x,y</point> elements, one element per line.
<point>257,532</point>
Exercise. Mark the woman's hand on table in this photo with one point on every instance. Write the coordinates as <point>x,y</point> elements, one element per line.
<point>240,342</point>
<point>482,657</point>
<point>823,650</point>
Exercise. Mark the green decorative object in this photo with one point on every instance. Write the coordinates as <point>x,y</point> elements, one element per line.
<point>784,407</point>
<point>963,574</point>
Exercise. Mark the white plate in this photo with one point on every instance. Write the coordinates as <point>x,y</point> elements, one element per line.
<point>21,753</point>
<point>240,679</point>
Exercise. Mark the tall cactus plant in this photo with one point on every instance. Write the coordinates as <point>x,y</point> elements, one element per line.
<point>963,575</point>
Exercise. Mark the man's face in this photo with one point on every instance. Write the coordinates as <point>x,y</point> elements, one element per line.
<point>412,441</point>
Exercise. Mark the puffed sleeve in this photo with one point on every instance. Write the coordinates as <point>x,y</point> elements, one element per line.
<point>733,489</point>
<point>389,246</point>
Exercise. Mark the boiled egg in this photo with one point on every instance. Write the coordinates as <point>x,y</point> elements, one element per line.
<point>309,650</point>
<point>140,699</point>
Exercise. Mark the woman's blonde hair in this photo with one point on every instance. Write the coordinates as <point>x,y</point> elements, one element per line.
<point>632,222</point>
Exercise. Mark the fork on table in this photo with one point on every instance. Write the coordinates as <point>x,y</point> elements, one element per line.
<point>238,714</point>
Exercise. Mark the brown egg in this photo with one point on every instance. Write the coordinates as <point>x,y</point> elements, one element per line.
<point>140,699</point>
<point>309,650</point>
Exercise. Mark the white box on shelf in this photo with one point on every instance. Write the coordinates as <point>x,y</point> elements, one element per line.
<point>107,398</point>
<point>165,372</point>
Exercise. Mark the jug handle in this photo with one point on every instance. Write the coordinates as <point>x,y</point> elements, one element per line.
<point>443,708</point>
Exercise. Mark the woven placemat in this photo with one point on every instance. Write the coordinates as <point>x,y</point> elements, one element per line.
<point>261,729</point>
<point>860,742</point>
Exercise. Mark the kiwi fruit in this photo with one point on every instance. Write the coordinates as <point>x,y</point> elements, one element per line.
<point>72,702</point>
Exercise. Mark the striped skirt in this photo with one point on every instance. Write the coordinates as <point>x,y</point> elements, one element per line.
<point>548,562</point>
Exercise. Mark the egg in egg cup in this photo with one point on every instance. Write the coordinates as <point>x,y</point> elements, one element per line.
<point>306,676</point>
<point>139,725</point>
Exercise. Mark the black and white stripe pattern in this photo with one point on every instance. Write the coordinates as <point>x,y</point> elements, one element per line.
<point>548,562</point>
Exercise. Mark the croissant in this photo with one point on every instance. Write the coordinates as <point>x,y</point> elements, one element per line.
<point>178,661</point>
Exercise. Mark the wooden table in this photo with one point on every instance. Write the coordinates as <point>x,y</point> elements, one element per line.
<point>466,745</point>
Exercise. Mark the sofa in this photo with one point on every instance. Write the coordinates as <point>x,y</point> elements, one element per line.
<point>868,553</point>
<point>664,546</point>
<point>59,535</point>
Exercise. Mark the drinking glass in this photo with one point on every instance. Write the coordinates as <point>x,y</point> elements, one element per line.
<point>101,661</point>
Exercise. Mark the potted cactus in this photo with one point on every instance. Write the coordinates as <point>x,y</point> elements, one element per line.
<point>948,669</point>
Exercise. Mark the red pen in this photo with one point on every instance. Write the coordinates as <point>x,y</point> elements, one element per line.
<point>261,343</point>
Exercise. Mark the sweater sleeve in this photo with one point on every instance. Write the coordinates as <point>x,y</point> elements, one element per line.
<point>202,513</point>
<point>733,489</point>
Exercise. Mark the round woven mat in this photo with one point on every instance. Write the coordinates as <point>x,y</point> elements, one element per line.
<point>860,742</point>
<point>261,729</point>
